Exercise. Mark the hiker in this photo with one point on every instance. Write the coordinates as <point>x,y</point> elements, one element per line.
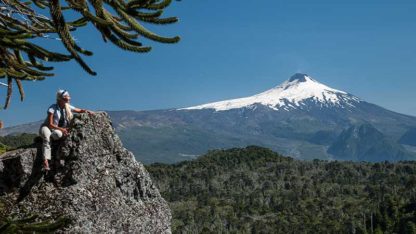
<point>56,123</point>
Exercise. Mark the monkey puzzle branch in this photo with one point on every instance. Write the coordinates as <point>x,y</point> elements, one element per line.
<point>118,21</point>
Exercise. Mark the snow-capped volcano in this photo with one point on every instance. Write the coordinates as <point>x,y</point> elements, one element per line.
<point>294,93</point>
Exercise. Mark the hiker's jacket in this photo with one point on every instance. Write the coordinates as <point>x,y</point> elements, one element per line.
<point>59,115</point>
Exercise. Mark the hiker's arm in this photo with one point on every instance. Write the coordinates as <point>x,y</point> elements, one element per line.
<point>51,125</point>
<point>77,110</point>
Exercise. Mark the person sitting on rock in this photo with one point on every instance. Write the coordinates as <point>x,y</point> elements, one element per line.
<point>56,123</point>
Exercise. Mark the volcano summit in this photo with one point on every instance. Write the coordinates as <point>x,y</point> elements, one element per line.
<point>300,90</point>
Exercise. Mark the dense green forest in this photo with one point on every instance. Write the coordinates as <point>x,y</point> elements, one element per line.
<point>254,190</point>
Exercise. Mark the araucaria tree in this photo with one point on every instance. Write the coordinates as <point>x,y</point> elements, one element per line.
<point>23,21</point>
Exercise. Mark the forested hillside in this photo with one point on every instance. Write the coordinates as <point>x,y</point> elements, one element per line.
<point>11,142</point>
<point>254,190</point>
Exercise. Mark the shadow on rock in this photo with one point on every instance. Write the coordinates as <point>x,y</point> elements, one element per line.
<point>35,176</point>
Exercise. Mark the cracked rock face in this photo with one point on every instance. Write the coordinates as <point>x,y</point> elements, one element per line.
<point>94,181</point>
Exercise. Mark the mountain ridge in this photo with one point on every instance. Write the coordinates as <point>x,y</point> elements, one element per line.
<point>304,131</point>
<point>292,130</point>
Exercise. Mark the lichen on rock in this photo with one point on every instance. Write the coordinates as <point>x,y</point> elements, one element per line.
<point>94,181</point>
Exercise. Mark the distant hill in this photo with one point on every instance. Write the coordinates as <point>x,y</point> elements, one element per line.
<point>365,143</point>
<point>409,138</point>
<point>254,190</point>
<point>32,127</point>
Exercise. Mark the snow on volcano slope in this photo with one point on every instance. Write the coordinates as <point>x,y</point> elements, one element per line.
<point>298,91</point>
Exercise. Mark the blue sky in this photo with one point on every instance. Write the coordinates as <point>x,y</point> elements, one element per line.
<point>233,49</point>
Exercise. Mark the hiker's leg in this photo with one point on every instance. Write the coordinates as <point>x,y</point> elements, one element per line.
<point>56,134</point>
<point>45,133</point>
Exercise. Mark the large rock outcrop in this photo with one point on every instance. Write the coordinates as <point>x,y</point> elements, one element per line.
<point>94,181</point>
